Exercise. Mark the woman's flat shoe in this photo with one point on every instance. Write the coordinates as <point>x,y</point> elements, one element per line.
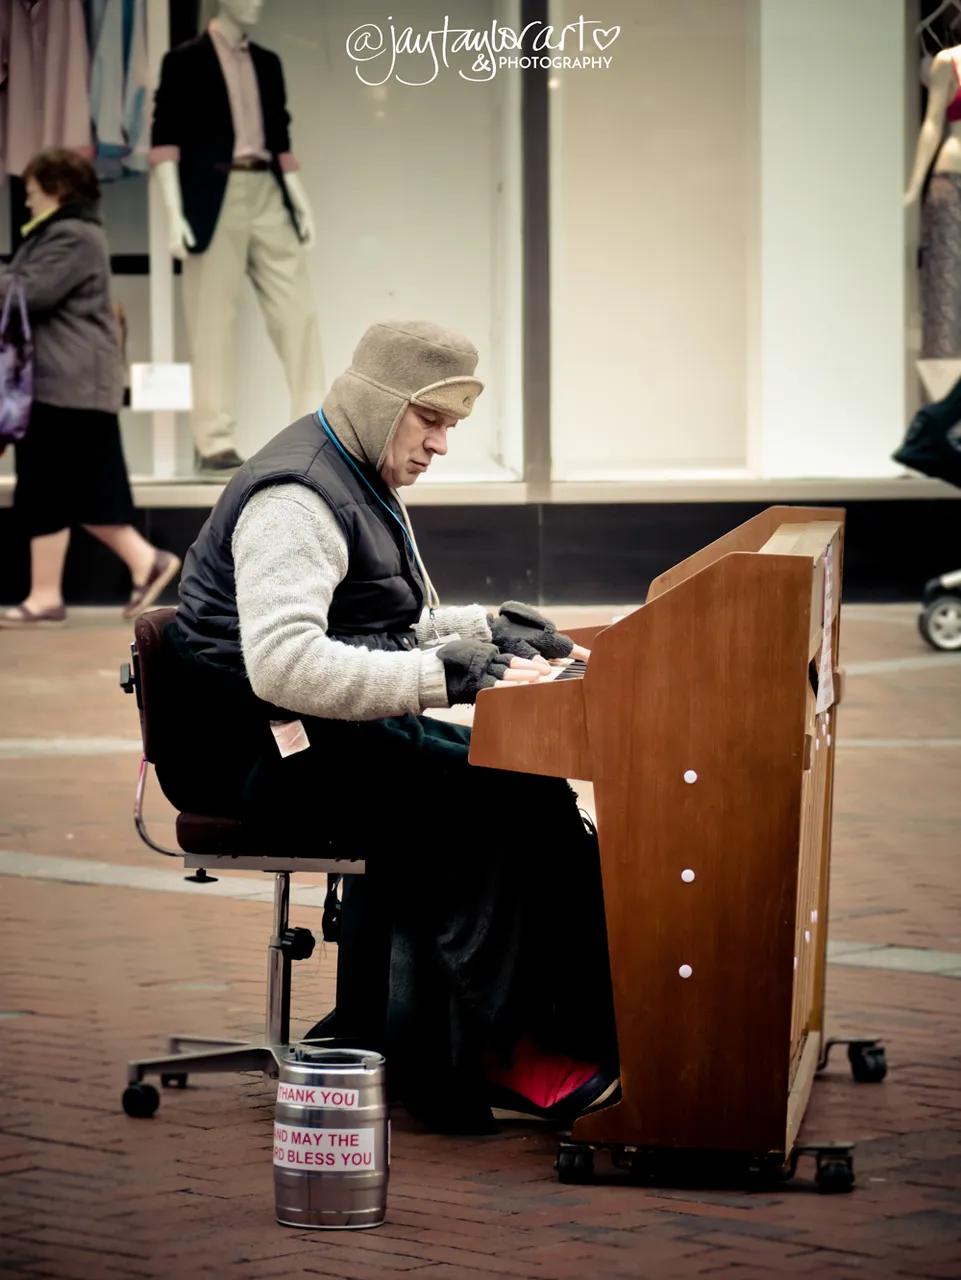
<point>21,618</point>
<point>165,568</point>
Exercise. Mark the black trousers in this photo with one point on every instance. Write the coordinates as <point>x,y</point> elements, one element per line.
<point>481,915</point>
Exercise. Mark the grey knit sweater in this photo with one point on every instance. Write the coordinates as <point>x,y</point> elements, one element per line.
<point>289,556</point>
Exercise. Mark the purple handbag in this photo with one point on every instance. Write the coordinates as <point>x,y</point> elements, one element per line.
<point>16,370</point>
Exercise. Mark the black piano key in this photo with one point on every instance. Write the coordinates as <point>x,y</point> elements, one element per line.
<point>573,672</point>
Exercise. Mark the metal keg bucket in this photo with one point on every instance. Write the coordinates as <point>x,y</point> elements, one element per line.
<point>331,1138</point>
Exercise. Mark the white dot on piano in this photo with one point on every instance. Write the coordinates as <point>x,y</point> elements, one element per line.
<point>685,971</point>
<point>690,776</point>
<point>687,876</point>
<point>795,962</point>
<point>814,917</point>
<point>807,935</point>
<point>817,744</point>
<point>829,739</point>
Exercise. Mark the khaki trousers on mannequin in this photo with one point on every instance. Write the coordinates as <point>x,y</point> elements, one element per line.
<point>254,238</point>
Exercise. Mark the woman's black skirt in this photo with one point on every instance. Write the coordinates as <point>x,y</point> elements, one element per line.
<point>71,471</point>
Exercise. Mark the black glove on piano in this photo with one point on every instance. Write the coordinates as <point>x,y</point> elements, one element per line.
<point>469,666</point>
<point>521,630</point>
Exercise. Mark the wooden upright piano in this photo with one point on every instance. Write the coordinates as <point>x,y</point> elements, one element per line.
<point>707,722</point>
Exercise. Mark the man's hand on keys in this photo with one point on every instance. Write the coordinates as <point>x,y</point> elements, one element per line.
<point>472,665</point>
<point>521,630</point>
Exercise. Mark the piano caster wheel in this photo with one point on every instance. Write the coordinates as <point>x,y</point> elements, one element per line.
<point>835,1166</point>
<point>868,1063</point>
<point>835,1175</point>
<point>574,1163</point>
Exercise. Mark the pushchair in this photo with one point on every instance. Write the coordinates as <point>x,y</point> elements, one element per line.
<point>933,447</point>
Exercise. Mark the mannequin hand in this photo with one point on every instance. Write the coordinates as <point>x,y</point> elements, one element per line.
<point>521,630</point>
<point>305,224</point>
<point>472,665</point>
<point>302,209</point>
<point>180,238</point>
<point>910,199</point>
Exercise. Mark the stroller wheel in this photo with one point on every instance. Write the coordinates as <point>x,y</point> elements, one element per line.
<point>940,623</point>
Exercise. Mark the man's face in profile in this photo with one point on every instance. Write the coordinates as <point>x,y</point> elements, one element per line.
<point>421,434</point>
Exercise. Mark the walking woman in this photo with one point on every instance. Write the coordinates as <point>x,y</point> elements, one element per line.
<point>70,465</point>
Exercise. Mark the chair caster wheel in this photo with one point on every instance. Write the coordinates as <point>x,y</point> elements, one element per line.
<point>574,1164</point>
<point>174,1080</point>
<point>835,1175</point>
<point>140,1100</point>
<point>868,1063</point>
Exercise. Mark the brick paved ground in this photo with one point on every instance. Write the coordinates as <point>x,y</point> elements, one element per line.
<point>99,974</point>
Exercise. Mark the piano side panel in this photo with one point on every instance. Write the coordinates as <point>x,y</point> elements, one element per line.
<point>709,678</point>
<point>809,932</point>
<point>816,1014</point>
<point>538,728</point>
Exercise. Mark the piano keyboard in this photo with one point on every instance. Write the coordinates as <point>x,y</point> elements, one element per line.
<point>572,670</point>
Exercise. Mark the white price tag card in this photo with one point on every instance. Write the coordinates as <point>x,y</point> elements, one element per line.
<point>333,1150</point>
<point>290,736</point>
<point>161,387</point>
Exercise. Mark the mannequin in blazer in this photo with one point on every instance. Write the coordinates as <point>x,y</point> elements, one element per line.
<point>235,204</point>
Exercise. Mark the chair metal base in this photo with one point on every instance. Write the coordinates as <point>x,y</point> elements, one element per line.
<point>242,1057</point>
<point>190,1055</point>
<point>193,1044</point>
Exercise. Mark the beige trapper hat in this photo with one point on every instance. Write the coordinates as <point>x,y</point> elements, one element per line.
<point>397,364</point>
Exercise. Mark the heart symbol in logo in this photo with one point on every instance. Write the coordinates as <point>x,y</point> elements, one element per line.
<point>604,39</point>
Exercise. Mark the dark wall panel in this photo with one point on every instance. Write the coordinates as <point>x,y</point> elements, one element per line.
<point>561,553</point>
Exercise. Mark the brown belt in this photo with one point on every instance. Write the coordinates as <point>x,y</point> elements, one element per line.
<point>244,166</point>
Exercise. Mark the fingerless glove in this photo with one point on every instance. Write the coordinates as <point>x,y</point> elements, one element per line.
<point>522,631</point>
<point>469,666</point>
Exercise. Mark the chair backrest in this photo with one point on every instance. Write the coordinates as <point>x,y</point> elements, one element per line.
<point>152,697</point>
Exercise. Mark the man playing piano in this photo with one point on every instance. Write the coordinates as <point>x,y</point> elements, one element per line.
<point>309,633</point>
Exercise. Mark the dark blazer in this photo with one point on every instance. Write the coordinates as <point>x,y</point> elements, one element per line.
<point>192,113</point>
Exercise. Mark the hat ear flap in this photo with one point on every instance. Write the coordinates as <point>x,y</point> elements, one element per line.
<point>392,432</point>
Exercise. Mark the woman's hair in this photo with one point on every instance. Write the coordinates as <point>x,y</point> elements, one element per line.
<point>64,174</point>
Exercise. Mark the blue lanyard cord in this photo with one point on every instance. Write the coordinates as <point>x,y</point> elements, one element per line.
<point>393,514</point>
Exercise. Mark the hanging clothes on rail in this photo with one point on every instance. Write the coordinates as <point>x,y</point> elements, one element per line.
<point>106,86</point>
<point>21,107</point>
<point>119,86</point>
<point>43,47</point>
<point>136,97</point>
<point>61,54</point>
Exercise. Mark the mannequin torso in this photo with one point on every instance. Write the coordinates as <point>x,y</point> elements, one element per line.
<point>233,21</point>
<point>948,159</point>
<point>939,142</point>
